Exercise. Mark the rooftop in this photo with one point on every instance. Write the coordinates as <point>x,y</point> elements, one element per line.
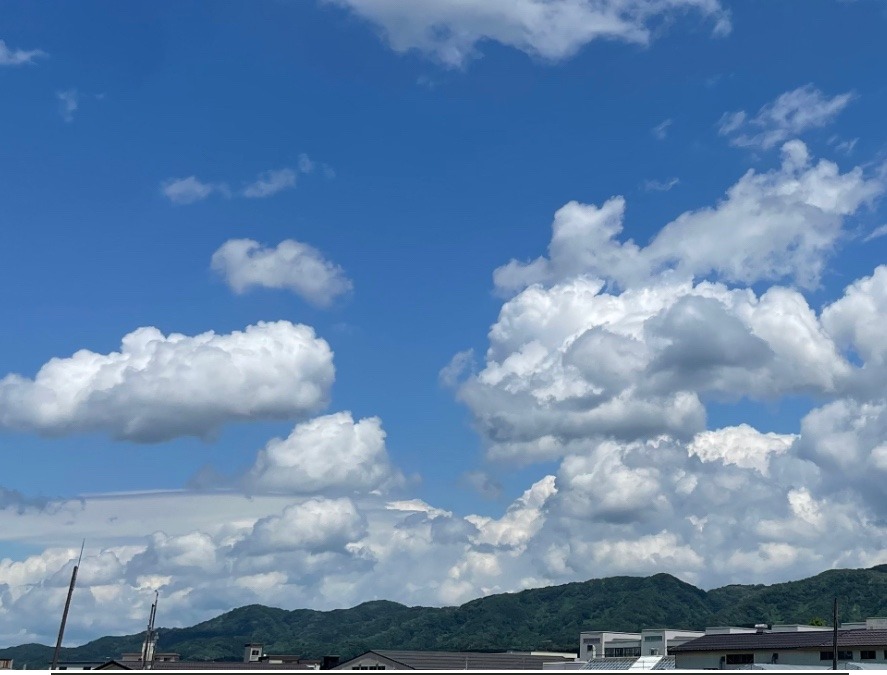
<point>783,640</point>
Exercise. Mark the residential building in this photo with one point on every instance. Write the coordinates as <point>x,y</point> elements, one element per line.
<point>384,659</point>
<point>785,645</point>
<point>5,664</point>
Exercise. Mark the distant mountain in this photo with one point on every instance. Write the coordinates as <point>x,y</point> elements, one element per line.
<point>543,618</point>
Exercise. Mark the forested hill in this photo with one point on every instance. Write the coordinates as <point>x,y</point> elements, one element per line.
<point>544,618</point>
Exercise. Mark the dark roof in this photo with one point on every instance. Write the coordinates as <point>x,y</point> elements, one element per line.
<point>416,660</point>
<point>787,640</point>
<point>228,665</point>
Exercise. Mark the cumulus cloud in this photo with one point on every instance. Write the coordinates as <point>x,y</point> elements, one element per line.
<point>18,57</point>
<point>158,387</point>
<point>789,116</point>
<point>451,30</point>
<point>741,445</point>
<point>778,225</point>
<point>291,265</point>
<point>326,453</point>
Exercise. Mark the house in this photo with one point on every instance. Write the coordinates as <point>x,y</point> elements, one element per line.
<point>384,659</point>
<point>5,664</point>
<point>785,645</point>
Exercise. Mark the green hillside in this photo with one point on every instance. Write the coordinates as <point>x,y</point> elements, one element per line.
<point>543,618</point>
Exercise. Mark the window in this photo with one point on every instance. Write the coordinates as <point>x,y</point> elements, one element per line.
<point>737,659</point>
<point>867,654</point>
<point>255,652</point>
<point>622,651</point>
<point>653,638</point>
<point>843,655</point>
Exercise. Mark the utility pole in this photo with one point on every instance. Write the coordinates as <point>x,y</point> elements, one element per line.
<point>58,644</point>
<point>835,635</point>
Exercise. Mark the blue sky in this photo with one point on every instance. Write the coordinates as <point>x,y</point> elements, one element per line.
<point>407,153</point>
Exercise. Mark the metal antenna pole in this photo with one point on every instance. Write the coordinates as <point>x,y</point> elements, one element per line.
<point>58,644</point>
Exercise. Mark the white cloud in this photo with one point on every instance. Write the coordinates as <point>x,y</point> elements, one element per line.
<point>461,364</point>
<point>661,185</point>
<point>741,445</point>
<point>267,183</point>
<point>160,386</point>
<point>188,190</point>
<point>877,233</point>
<point>858,319</point>
<point>270,183</point>
<point>291,265</point>
<point>314,525</point>
<point>660,131</point>
<point>782,224</point>
<point>323,454</point>
<point>18,57</point>
<point>790,115</point>
<point>450,31</point>
<point>69,101</point>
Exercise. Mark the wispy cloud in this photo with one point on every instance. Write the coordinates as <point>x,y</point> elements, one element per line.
<point>660,185</point>
<point>660,131</point>
<point>877,233</point>
<point>18,57</point>
<point>791,114</point>
<point>188,190</point>
<point>69,101</point>
<point>270,183</point>
<point>451,31</point>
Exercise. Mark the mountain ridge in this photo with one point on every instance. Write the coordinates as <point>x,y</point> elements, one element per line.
<point>548,618</point>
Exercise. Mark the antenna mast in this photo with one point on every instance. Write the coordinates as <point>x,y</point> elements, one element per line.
<point>58,644</point>
<point>150,635</point>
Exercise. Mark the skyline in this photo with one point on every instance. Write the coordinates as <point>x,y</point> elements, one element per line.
<point>323,302</point>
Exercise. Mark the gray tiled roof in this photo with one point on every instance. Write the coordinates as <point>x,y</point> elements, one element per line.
<point>788,640</point>
<point>665,663</point>
<point>610,663</point>
<point>417,660</point>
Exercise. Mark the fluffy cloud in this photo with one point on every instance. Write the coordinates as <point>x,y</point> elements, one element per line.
<point>18,57</point>
<point>790,115</point>
<point>781,224</point>
<point>450,30</point>
<point>741,445</point>
<point>160,386</point>
<point>326,453</point>
<point>291,265</point>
